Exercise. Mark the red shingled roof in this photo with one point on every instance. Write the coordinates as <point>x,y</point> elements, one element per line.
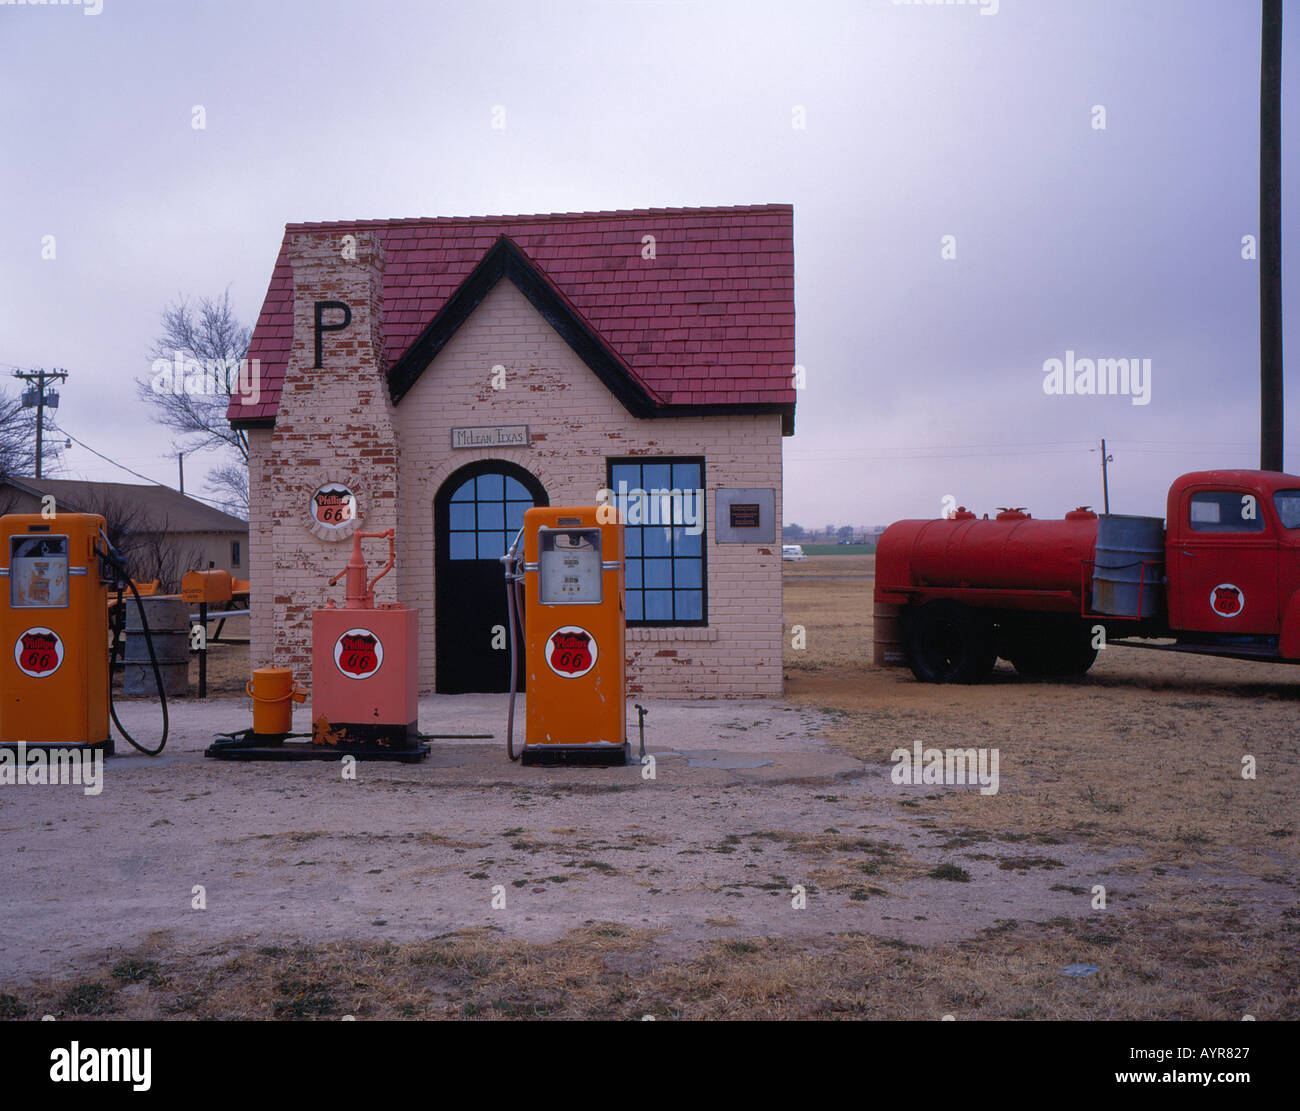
<point>708,322</point>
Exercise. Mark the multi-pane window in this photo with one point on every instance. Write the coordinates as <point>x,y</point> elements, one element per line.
<point>662,502</point>
<point>485,513</point>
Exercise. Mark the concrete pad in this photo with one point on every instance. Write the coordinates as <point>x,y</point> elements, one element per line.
<point>744,803</point>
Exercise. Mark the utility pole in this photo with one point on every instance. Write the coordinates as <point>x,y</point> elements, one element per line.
<point>180,459</point>
<point>1270,239</point>
<point>1105,478</point>
<point>34,397</point>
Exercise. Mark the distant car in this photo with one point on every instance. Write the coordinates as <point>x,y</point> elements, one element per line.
<point>792,552</point>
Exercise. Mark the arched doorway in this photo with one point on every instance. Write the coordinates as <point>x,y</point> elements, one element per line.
<point>476,514</point>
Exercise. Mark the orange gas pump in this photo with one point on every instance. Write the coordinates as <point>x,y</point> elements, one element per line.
<point>55,656</point>
<point>566,590</point>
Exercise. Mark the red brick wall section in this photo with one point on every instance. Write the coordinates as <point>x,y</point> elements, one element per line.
<point>335,424</point>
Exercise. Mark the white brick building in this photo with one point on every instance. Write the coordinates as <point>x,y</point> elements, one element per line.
<point>468,368</point>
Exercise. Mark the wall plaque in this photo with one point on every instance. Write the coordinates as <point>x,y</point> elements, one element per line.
<point>496,435</point>
<point>746,516</point>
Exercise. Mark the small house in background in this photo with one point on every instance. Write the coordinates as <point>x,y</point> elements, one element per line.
<point>162,533</point>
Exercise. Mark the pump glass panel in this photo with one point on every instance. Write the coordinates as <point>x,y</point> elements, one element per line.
<point>38,572</point>
<point>568,565</point>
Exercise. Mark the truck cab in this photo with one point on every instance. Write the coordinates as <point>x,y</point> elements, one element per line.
<point>1232,556</point>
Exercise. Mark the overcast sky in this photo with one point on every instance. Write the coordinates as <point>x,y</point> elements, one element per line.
<point>924,374</point>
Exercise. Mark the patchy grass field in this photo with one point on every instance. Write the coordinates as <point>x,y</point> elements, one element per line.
<point>1158,966</point>
<point>1147,748</point>
<point>1146,752</point>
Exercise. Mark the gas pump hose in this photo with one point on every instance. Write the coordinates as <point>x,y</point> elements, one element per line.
<point>514,614</point>
<point>125,576</point>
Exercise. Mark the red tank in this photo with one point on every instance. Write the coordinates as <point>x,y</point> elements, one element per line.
<point>1013,553</point>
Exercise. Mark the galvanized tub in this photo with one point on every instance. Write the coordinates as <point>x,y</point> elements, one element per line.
<point>1129,573</point>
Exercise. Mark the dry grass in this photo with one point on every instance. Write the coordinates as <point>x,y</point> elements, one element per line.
<point>612,971</point>
<point>1145,751</point>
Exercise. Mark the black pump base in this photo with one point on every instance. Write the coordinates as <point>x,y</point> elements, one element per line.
<point>248,745</point>
<point>590,756</point>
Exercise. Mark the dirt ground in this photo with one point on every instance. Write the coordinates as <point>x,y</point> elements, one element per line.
<point>680,896</point>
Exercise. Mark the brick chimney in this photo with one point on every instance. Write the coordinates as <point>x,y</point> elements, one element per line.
<point>334,428</point>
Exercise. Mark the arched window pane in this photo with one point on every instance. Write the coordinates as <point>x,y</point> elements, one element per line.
<point>481,521</point>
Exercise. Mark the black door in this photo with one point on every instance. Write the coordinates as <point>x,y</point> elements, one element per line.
<point>476,515</point>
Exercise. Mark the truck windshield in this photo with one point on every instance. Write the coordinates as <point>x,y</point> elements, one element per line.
<point>1288,507</point>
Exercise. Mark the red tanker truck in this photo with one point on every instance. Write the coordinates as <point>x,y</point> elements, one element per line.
<point>955,594</point>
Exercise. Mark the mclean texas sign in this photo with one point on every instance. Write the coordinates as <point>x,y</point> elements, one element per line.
<point>499,435</point>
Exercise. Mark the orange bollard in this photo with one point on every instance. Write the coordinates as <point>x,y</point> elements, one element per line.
<point>273,692</point>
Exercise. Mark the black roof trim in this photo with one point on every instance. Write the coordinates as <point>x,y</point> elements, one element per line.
<point>505,260</point>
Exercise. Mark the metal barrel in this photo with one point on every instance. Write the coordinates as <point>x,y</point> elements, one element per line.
<point>1129,573</point>
<point>169,629</point>
<point>887,649</point>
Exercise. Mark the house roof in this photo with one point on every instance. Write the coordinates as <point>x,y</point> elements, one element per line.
<point>707,325</point>
<point>159,504</point>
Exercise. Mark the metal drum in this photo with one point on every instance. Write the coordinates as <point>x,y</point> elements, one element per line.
<point>887,649</point>
<point>1129,573</point>
<point>169,628</point>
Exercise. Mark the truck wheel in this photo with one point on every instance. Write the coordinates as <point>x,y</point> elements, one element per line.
<point>950,643</point>
<point>1053,653</point>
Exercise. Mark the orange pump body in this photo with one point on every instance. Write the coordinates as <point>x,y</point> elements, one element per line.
<point>53,631</point>
<point>574,634</point>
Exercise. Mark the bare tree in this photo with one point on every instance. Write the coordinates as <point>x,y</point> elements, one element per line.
<point>158,554</point>
<point>17,437</point>
<point>144,538</point>
<point>229,484</point>
<point>204,342</point>
<point>10,502</point>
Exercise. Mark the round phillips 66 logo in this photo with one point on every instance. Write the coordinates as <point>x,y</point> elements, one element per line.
<point>1227,600</point>
<point>358,653</point>
<point>38,652</point>
<point>571,651</point>
<point>333,506</point>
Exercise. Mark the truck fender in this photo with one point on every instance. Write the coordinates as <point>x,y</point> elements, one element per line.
<point>1289,642</point>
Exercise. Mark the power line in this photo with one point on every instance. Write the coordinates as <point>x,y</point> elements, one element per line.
<point>936,455</point>
<point>151,481</point>
<point>36,398</point>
